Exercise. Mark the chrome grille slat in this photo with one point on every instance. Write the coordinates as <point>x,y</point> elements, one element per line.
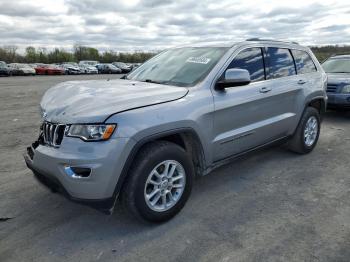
<point>47,133</point>
<point>55,136</point>
<point>53,133</point>
<point>50,134</point>
<point>43,132</point>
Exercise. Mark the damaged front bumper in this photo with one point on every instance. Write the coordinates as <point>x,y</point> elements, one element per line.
<point>55,168</point>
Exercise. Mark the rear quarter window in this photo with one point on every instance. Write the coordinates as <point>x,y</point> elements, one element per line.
<point>280,62</point>
<point>303,62</point>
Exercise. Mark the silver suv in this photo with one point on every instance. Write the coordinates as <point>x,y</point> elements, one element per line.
<point>188,110</point>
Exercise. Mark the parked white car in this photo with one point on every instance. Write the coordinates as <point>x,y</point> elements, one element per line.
<point>22,69</point>
<point>87,69</point>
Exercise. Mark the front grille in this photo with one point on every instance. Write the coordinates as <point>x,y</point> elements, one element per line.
<point>53,134</point>
<point>332,88</point>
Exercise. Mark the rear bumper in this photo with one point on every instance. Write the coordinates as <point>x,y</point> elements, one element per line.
<point>338,100</point>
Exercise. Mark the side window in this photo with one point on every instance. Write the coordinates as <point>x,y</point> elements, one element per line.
<point>281,62</point>
<point>303,62</point>
<point>250,59</point>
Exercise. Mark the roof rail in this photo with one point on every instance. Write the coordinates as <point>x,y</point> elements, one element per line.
<point>270,40</point>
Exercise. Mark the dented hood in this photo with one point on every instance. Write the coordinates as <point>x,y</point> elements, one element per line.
<point>94,101</point>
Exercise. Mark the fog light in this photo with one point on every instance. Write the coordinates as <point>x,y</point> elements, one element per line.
<point>77,172</point>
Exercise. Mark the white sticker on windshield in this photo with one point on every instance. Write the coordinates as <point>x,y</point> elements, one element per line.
<point>198,60</point>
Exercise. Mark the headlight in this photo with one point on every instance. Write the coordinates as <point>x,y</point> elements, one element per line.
<point>346,89</point>
<point>91,132</point>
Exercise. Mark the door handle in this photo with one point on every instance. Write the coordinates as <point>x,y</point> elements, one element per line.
<point>265,89</point>
<point>301,82</point>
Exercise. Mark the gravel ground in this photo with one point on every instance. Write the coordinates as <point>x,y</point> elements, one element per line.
<point>272,205</point>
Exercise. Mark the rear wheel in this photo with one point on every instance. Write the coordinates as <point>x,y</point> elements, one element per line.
<point>306,136</point>
<point>159,182</point>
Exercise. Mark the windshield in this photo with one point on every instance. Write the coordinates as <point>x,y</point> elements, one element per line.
<point>337,65</point>
<point>111,66</point>
<point>91,63</point>
<point>180,66</point>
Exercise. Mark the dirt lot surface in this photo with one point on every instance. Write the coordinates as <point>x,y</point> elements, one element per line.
<point>270,206</point>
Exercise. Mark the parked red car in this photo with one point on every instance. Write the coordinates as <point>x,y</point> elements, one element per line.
<point>43,69</point>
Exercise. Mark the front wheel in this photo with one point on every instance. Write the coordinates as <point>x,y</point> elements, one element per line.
<point>159,182</point>
<point>306,136</point>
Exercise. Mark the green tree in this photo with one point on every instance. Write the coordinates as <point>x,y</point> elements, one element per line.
<point>30,55</point>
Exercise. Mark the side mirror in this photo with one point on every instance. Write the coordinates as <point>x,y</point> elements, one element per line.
<point>233,77</point>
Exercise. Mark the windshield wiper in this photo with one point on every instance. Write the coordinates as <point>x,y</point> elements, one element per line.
<point>152,81</point>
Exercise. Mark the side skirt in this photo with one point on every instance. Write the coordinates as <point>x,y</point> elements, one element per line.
<point>231,158</point>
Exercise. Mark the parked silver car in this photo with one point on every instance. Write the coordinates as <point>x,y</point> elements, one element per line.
<point>72,68</point>
<point>183,113</point>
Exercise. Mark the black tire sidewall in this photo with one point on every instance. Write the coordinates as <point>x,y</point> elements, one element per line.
<point>141,173</point>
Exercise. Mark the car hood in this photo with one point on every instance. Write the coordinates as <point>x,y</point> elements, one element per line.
<point>94,101</point>
<point>338,78</point>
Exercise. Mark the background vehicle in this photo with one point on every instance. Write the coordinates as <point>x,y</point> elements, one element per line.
<point>122,66</point>
<point>4,69</point>
<point>338,88</point>
<point>183,113</point>
<point>135,65</point>
<point>14,71</point>
<point>43,69</point>
<point>72,69</point>
<point>108,69</point>
<point>22,69</point>
<point>87,69</point>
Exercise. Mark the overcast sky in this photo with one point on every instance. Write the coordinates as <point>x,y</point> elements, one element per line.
<point>156,24</point>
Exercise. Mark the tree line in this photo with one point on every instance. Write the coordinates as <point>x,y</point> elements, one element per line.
<point>323,52</point>
<point>10,54</point>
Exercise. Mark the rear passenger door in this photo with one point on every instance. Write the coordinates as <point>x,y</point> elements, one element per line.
<point>287,87</point>
<point>308,77</point>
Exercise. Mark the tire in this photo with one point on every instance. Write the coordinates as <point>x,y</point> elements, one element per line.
<point>138,185</point>
<point>299,143</point>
